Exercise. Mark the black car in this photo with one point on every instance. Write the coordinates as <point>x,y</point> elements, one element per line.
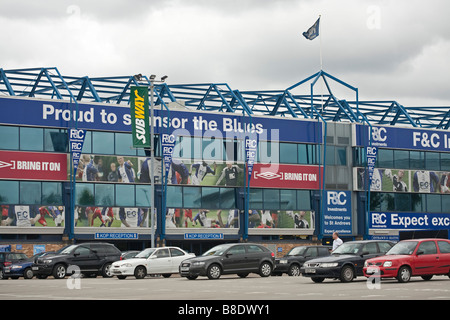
<point>294,259</point>
<point>346,262</point>
<point>90,258</point>
<point>7,259</point>
<point>235,258</point>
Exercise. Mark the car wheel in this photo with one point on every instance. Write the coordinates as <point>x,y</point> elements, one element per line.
<point>294,270</point>
<point>214,271</point>
<point>28,273</point>
<point>106,271</point>
<point>317,280</point>
<point>265,269</point>
<point>191,277</point>
<point>140,272</point>
<point>347,274</point>
<point>122,277</point>
<point>404,274</point>
<point>60,271</point>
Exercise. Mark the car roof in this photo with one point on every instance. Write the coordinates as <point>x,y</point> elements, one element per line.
<point>425,239</point>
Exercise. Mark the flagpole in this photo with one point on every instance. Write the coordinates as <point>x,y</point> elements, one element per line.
<point>320,36</point>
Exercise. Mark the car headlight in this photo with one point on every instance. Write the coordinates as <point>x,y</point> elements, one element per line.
<point>198,263</point>
<point>47,261</point>
<point>127,265</point>
<point>387,264</point>
<point>329,265</point>
<point>16,267</point>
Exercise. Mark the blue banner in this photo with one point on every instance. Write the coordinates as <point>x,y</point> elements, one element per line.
<point>57,113</point>
<point>76,140</point>
<point>403,138</point>
<point>409,221</point>
<point>338,212</point>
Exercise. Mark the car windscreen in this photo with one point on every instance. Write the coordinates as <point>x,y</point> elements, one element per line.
<point>297,251</point>
<point>403,248</point>
<point>348,248</point>
<point>145,253</point>
<point>216,251</point>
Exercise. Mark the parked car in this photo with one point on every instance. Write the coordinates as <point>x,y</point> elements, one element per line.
<point>346,262</point>
<point>22,268</point>
<point>90,258</point>
<point>7,259</point>
<point>232,258</point>
<point>164,260</point>
<point>294,259</point>
<point>128,254</point>
<point>409,258</point>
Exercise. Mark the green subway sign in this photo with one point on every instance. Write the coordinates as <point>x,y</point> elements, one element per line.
<point>139,117</point>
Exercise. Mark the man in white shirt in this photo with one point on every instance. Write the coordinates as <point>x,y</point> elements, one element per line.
<point>336,241</point>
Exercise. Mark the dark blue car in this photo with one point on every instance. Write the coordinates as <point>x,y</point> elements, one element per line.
<point>22,268</point>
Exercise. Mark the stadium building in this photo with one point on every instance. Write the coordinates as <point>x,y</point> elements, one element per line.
<point>276,167</point>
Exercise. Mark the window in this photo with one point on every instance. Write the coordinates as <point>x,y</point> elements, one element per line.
<point>176,253</point>
<point>311,252</point>
<point>271,199</point>
<point>432,161</point>
<point>10,138</point>
<point>384,247</point>
<point>444,246</point>
<point>370,248</point>
<point>125,195</point>
<point>210,198</point>
<point>236,250</point>
<point>82,251</point>
<point>288,153</point>
<point>162,253</point>
<point>445,161</point>
<point>143,196</point>
<point>288,200</point>
<point>254,249</point>
<point>385,158</point>
<point>31,139</point>
<point>84,194</point>
<point>104,194</point>
<point>30,192</point>
<point>87,145</point>
<point>102,142</point>
<point>51,193</point>
<point>123,144</point>
<point>9,192</point>
<point>427,247</point>
<point>307,154</point>
<point>174,196</point>
<point>56,140</point>
<point>256,199</point>
<point>401,159</point>
<point>416,160</point>
<point>192,197</point>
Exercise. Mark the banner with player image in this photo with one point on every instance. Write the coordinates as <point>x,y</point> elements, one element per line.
<point>398,180</point>
<point>285,219</point>
<point>32,216</point>
<point>111,217</point>
<point>132,169</point>
<point>205,218</point>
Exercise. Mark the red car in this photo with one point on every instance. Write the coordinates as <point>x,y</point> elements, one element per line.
<point>408,258</point>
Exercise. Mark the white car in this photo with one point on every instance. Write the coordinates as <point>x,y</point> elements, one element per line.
<point>164,260</point>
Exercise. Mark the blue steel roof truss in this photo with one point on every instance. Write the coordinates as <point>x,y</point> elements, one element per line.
<point>49,83</point>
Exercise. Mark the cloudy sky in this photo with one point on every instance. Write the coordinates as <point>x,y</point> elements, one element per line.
<point>391,50</point>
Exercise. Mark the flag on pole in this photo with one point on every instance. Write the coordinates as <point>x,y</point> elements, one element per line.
<point>312,32</point>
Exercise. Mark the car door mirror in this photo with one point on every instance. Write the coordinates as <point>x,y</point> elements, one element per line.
<point>419,253</point>
<point>228,255</point>
<point>153,257</point>
<point>365,253</point>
